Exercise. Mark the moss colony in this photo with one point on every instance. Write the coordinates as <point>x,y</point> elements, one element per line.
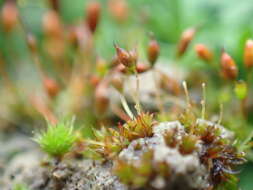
<point>142,154</point>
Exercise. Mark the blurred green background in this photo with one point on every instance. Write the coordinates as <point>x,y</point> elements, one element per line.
<point>222,23</point>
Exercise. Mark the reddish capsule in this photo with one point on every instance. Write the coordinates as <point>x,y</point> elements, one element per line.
<point>141,68</point>
<point>123,56</point>
<point>228,67</point>
<point>185,40</point>
<point>203,52</point>
<point>51,87</point>
<point>9,15</point>
<point>248,54</point>
<point>153,51</point>
<point>93,15</point>
<point>126,58</point>
<point>51,24</point>
<point>118,9</point>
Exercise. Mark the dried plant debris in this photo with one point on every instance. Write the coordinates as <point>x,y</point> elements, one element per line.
<point>145,155</point>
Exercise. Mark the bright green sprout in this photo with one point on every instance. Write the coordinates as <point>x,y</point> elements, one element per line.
<point>241,90</point>
<point>58,139</point>
<point>20,186</point>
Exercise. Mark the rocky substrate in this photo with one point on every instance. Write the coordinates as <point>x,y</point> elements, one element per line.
<point>188,172</point>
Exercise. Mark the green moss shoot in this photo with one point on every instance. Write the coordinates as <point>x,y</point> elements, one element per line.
<point>57,140</point>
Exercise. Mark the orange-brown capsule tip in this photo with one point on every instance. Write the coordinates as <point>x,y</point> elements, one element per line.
<point>228,67</point>
<point>141,68</point>
<point>118,9</point>
<point>51,24</point>
<point>51,86</point>
<point>126,58</point>
<point>9,15</point>
<point>185,40</point>
<point>203,52</point>
<point>248,54</point>
<point>153,51</point>
<point>93,15</point>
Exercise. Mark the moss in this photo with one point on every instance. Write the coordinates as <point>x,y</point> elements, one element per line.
<point>109,142</point>
<point>57,140</point>
<point>20,186</point>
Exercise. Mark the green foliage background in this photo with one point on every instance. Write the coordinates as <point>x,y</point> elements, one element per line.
<point>222,23</point>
